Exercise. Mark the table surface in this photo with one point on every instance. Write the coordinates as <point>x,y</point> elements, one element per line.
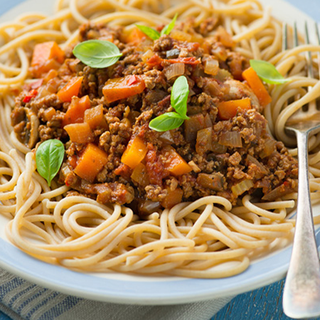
<point>264,303</point>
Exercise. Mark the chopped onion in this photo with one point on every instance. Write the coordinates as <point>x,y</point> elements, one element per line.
<point>213,181</point>
<point>194,167</point>
<point>231,139</point>
<point>192,126</point>
<point>147,55</point>
<point>218,148</point>
<point>174,70</point>
<point>180,35</point>
<point>140,175</point>
<point>207,121</point>
<point>223,75</point>
<point>147,207</point>
<point>224,37</point>
<point>258,164</point>
<point>204,140</point>
<point>211,66</point>
<point>166,137</point>
<point>268,149</point>
<point>242,187</point>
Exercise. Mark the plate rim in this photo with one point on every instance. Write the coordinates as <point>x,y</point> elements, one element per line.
<point>167,292</point>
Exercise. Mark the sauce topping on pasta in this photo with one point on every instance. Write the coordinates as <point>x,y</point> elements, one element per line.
<point>102,115</point>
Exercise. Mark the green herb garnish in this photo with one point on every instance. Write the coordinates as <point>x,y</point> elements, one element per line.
<point>179,97</point>
<point>166,121</point>
<point>267,72</point>
<point>168,28</point>
<point>49,157</point>
<point>150,32</point>
<point>154,34</point>
<point>97,53</point>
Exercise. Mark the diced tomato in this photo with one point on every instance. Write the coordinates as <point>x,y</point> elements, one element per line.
<point>155,60</point>
<point>187,60</point>
<point>29,96</point>
<point>73,161</point>
<point>123,170</point>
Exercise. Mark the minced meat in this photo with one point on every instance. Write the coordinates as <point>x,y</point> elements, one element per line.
<point>218,153</point>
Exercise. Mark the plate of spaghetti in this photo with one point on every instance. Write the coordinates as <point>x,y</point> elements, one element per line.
<point>143,155</point>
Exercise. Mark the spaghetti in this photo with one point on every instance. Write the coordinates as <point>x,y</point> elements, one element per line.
<point>206,238</point>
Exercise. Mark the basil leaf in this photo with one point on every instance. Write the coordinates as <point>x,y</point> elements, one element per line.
<point>168,28</point>
<point>97,53</point>
<point>150,32</point>
<point>179,96</point>
<point>49,157</point>
<point>267,72</point>
<point>166,121</point>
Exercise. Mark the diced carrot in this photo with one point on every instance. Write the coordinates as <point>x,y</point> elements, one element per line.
<point>79,132</point>
<point>91,162</point>
<point>95,118</point>
<point>173,197</point>
<point>76,110</point>
<point>70,90</point>
<point>228,109</point>
<point>174,163</point>
<point>134,153</point>
<point>135,36</point>
<point>43,54</point>
<point>122,88</point>
<point>257,86</point>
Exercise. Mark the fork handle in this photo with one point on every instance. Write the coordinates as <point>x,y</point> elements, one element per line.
<point>301,293</point>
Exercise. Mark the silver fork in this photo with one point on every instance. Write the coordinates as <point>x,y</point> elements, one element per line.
<point>301,294</point>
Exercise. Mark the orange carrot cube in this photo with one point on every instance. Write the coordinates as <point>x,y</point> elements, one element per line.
<point>70,90</point>
<point>228,109</point>
<point>134,153</point>
<point>122,88</point>
<point>91,162</point>
<point>95,118</point>
<point>175,164</point>
<point>79,132</point>
<point>76,110</point>
<point>257,86</point>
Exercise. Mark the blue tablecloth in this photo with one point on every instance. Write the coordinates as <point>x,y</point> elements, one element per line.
<point>266,302</point>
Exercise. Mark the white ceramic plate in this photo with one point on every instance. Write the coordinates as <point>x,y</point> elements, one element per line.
<point>128,289</point>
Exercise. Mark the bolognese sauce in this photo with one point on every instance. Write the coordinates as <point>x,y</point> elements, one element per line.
<point>102,116</point>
